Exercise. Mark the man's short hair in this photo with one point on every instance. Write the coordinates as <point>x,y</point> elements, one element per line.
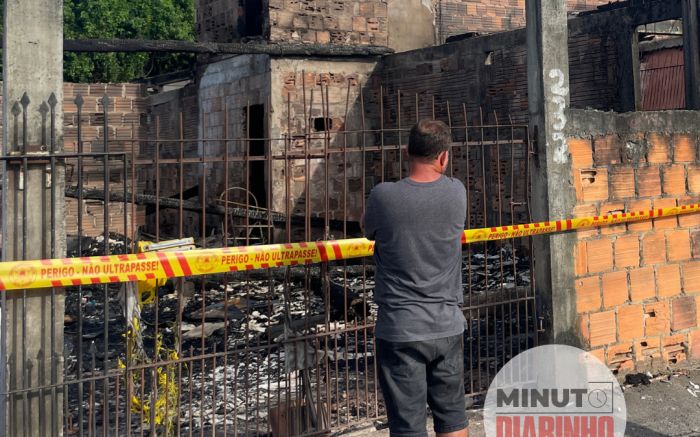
<point>428,139</point>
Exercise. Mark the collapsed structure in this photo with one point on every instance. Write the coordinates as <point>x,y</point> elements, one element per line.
<point>592,116</point>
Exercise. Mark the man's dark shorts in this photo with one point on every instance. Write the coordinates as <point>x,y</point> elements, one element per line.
<point>415,373</point>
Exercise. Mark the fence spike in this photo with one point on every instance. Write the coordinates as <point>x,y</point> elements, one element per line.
<point>25,100</point>
<point>53,100</point>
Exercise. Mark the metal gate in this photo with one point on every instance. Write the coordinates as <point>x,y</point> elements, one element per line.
<point>286,351</point>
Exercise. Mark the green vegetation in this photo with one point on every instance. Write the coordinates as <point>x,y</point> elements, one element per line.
<point>139,19</point>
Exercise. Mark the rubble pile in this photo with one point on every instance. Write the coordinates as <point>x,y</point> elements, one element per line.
<point>245,329</point>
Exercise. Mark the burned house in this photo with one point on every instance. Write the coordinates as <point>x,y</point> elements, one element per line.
<point>283,143</point>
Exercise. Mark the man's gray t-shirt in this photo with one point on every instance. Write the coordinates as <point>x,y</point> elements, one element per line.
<point>417,228</point>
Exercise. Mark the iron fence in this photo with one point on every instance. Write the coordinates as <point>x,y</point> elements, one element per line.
<point>278,352</point>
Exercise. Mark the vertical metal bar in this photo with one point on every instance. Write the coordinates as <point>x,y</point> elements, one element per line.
<point>25,173</point>
<point>79,368</point>
<point>381,131</point>
<point>54,356</point>
<point>449,123</point>
<point>226,297</point>
<point>326,286</point>
<point>246,173</point>
<point>157,165</point>
<point>190,391</point>
<point>486,271</point>
<point>106,188</point>
<point>467,162</point>
<point>513,241</point>
<point>398,123</point>
<point>181,282</point>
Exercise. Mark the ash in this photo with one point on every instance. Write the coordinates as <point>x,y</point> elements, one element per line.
<point>240,366</point>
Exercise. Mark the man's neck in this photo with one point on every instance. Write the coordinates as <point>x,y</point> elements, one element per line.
<point>420,172</point>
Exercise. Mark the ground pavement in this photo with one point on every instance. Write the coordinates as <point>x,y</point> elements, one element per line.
<point>663,408</point>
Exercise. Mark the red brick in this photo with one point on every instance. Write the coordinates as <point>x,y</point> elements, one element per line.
<point>648,349</point>
<point>581,152</point>
<point>603,328</point>
<point>695,241</point>
<point>622,183</point>
<point>678,244</point>
<point>649,181</point>
<point>668,280</point>
<point>657,318</point>
<point>691,277</point>
<point>323,37</point>
<point>688,220</point>
<point>613,208</point>
<point>615,290</point>
<point>695,345</point>
<point>697,310</point>
<point>683,313</point>
<point>673,349</point>
<point>606,150</point>
<point>588,294</point>
<point>637,206</point>
<point>599,354</point>
<point>359,24</point>
<point>584,329</point>
<point>659,150</point>
<point>694,179</point>
<point>600,255</point>
<point>654,248</point>
<point>674,180</point>
<point>620,357</point>
<point>627,252</point>
<point>683,148</point>
<point>666,222</point>
<point>630,320</point>
<point>642,284</point>
<point>586,210</point>
<point>580,259</point>
<point>591,184</point>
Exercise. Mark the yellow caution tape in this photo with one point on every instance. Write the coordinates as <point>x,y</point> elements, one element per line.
<point>18,275</point>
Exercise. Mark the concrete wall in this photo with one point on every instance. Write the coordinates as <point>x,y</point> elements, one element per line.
<point>342,83</point>
<point>411,24</point>
<point>225,90</point>
<point>172,115</point>
<point>637,292</point>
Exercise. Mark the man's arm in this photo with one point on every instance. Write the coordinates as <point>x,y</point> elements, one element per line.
<point>368,220</point>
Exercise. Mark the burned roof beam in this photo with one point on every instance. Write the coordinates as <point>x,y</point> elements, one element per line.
<point>256,47</point>
<point>625,16</point>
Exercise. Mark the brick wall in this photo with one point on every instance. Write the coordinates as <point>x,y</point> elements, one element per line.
<point>324,21</point>
<point>125,120</point>
<point>637,292</point>
<point>489,74</point>
<point>217,20</point>
<point>486,16</point>
<point>172,115</point>
<point>125,126</point>
<point>358,22</point>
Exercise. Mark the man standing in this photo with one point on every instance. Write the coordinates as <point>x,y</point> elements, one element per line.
<point>417,225</point>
